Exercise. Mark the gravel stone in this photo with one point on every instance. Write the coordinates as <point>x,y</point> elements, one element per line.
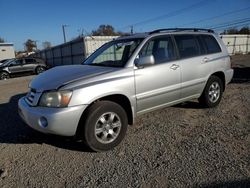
<point>180,146</point>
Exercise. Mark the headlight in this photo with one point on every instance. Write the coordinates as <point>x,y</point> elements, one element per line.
<point>55,99</point>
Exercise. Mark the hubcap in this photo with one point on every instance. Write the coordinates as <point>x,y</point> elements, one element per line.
<point>214,92</point>
<point>40,70</point>
<point>107,127</point>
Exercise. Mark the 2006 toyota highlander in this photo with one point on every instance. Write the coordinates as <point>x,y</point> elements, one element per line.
<point>125,78</point>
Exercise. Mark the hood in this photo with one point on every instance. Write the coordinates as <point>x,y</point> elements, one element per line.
<point>62,75</point>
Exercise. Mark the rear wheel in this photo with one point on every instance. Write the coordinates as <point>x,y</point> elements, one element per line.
<point>40,69</point>
<point>212,93</point>
<point>4,76</point>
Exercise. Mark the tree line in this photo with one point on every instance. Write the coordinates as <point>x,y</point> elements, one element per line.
<point>103,30</point>
<point>243,30</point>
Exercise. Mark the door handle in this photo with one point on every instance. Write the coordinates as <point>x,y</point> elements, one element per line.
<point>205,59</point>
<point>174,66</point>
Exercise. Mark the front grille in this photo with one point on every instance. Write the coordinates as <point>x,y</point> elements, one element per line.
<point>32,97</point>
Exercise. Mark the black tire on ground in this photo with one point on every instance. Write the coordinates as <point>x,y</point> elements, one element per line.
<point>105,125</point>
<point>212,93</point>
<point>4,76</point>
<point>39,69</point>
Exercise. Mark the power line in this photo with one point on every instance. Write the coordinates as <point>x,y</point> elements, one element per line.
<point>246,23</point>
<point>172,14</point>
<point>232,24</point>
<point>214,17</point>
<point>226,24</point>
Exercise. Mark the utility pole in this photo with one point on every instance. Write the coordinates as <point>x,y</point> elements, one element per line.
<point>35,42</point>
<point>64,35</point>
<point>132,29</point>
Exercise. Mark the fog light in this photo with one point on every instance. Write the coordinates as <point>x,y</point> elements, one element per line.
<point>43,122</point>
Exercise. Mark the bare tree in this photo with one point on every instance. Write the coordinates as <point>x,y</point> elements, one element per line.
<point>30,45</point>
<point>46,44</point>
<point>106,30</point>
<point>243,30</point>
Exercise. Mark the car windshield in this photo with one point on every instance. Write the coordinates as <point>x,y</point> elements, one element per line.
<point>7,62</point>
<point>113,54</point>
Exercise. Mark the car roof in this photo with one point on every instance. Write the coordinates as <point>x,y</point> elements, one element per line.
<point>167,31</point>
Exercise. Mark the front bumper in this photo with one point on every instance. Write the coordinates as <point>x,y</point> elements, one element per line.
<point>60,121</point>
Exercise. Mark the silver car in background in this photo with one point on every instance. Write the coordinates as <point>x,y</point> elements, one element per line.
<point>125,78</point>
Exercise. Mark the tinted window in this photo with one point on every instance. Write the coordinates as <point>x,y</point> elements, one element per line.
<point>16,62</point>
<point>30,61</point>
<point>161,48</point>
<point>147,49</point>
<point>211,44</point>
<point>202,46</point>
<point>187,45</point>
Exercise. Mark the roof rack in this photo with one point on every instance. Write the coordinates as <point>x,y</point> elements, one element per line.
<point>181,29</point>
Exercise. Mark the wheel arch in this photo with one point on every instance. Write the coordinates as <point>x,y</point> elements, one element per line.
<point>120,99</point>
<point>220,75</point>
<point>5,71</point>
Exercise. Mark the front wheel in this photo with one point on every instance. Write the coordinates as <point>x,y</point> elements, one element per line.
<point>105,126</point>
<point>4,76</point>
<point>212,93</point>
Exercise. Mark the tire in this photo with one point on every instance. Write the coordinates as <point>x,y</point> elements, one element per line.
<point>4,76</point>
<point>40,69</point>
<point>105,126</point>
<point>212,93</point>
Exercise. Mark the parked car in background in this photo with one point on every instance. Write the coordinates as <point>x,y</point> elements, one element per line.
<point>4,60</point>
<point>20,66</point>
<point>125,78</point>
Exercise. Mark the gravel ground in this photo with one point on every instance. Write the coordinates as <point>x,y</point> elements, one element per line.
<point>180,146</point>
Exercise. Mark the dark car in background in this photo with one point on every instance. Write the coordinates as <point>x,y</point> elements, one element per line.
<point>21,66</point>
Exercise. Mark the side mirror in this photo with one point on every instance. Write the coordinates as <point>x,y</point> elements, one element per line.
<point>145,61</point>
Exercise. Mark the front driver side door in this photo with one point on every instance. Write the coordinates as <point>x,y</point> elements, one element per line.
<point>158,85</point>
<point>16,66</point>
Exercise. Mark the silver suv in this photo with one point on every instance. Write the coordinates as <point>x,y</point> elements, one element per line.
<point>125,78</point>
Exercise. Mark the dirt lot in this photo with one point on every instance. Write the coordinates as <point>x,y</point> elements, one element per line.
<point>180,146</point>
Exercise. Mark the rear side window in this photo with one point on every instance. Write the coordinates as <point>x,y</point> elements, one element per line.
<point>29,61</point>
<point>211,44</point>
<point>187,45</point>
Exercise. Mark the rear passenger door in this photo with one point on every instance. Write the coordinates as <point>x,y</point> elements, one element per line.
<point>30,65</point>
<point>194,69</point>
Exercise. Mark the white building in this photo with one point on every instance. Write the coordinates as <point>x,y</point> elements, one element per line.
<point>7,51</point>
<point>237,44</point>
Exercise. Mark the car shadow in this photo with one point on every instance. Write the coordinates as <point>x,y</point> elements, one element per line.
<point>190,104</point>
<point>14,131</point>
<point>241,74</point>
